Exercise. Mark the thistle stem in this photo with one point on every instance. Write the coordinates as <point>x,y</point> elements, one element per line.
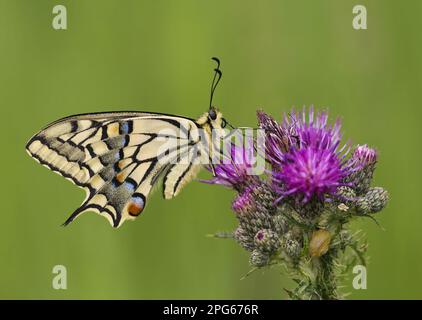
<point>325,286</point>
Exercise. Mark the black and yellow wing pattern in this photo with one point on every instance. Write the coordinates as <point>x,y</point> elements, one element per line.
<point>118,157</point>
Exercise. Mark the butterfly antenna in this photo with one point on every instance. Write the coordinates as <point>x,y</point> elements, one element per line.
<point>217,76</point>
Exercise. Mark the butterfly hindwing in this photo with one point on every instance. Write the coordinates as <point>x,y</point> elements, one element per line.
<point>118,157</point>
<point>183,170</point>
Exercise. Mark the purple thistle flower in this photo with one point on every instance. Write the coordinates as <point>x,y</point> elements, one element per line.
<point>363,156</point>
<point>315,166</point>
<point>362,163</point>
<point>310,186</point>
<point>278,139</point>
<point>236,171</point>
<point>244,202</point>
<point>309,172</point>
<point>316,132</point>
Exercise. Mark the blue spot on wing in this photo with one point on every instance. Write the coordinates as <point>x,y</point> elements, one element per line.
<point>124,128</point>
<point>130,184</point>
<point>139,200</point>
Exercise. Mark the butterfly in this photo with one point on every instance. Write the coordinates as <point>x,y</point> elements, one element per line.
<point>118,157</point>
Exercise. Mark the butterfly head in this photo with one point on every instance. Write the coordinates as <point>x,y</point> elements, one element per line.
<point>216,118</point>
<point>213,118</point>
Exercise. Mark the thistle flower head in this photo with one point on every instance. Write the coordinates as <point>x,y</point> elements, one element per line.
<point>373,201</point>
<point>267,240</point>
<point>278,138</point>
<point>259,258</point>
<point>364,156</point>
<point>244,238</point>
<point>292,245</point>
<point>321,191</point>
<point>309,172</point>
<point>362,163</point>
<point>315,166</point>
<point>314,131</point>
<point>236,169</point>
<point>244,202</point>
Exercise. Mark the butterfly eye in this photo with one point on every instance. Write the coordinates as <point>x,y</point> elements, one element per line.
<point>223,123</point>
<point>212,114</point>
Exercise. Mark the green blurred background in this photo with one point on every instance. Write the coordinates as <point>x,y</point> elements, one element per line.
<point>155,56</point>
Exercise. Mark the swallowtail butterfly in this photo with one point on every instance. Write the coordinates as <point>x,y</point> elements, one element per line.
<point>118,157</point>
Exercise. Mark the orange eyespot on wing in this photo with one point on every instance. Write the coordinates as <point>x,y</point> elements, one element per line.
<point>137,205</point>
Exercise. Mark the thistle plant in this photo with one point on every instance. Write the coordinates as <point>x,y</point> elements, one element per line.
<point>297,214</point>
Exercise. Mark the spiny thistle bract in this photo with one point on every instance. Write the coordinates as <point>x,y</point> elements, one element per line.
<point>296,215</point>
